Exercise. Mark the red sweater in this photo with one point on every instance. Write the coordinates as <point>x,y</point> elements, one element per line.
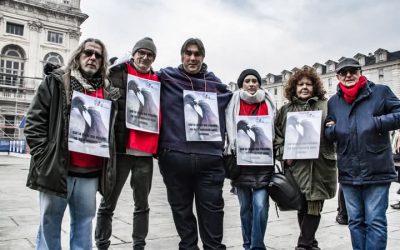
<point>82,160</point>
<point>141,140</point>
<point>248,109</point>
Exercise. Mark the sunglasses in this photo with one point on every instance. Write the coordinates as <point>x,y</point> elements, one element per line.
<point>90,53</point>
<point>142,53</point>
<point>190,53</point>
<point>344,72</point>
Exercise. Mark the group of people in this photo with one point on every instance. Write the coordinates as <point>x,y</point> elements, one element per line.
<point>192,115</point>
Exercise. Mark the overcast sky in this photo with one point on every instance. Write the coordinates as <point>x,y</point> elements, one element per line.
<point>267,35</point>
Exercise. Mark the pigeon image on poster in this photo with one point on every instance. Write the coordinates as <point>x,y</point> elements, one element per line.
<point>142,104</point>
<point>254,140</point>
<point>302,135</point>
<point>89,125</point>
<point>201,116</point>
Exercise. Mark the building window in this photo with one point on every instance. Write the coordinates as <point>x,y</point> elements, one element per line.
<point>54,58</point>
<point>381,57</point>
<point>66,1</point>
<point>16,29</point>
<point>275,91</point>
<point>12,65</point>
<point>332,67</point>
<point>54,37</point>
<point>329,82</point>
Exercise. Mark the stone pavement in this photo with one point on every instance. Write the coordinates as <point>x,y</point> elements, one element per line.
<point>19,213</point>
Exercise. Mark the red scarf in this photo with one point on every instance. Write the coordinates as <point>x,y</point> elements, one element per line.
<point>351,93</point>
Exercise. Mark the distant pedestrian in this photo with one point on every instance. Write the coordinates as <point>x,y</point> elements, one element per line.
<point>360,117</point>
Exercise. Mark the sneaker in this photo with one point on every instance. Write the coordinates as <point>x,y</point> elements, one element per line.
<point>396,206</point>
<point>342,219</point>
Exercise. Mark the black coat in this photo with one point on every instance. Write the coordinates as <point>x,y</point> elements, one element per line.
<point>361,132</point>
<point>46,133</point>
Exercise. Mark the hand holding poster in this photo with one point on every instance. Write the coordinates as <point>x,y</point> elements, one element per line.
<point>302,136</point>
<point>201,116</point>
<point>89,125</point>
<point>142,104</point>
<point>254,140</point>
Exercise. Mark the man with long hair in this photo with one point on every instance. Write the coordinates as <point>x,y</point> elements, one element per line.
<point>61,176</point>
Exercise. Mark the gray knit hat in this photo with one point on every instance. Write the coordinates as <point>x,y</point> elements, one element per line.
<point>145,43</point>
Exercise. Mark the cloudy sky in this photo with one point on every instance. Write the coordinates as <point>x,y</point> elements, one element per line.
<point>267,35</point>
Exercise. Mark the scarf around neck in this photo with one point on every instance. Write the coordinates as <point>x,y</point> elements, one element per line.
<point>351,93</point>
<point>90,85</point>
<point>257,97</point>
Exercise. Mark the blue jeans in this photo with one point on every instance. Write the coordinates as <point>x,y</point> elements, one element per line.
<point>254,205</point>
<point>366,208</point>
<point>82,207</point>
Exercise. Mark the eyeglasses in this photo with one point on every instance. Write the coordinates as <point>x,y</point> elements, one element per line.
<point>195,53</point>
<point>142,53</point>
<point>90,53</point>
<point>345,71</point>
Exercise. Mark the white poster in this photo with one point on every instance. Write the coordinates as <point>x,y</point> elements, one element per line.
<point>254,140</point>
<point>142,104</point>
<point>201,116</point>
<point>89,125</point>
<point>302,136</point>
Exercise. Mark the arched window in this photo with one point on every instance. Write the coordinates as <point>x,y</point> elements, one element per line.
<point>54,57</point>
<point>12,65</point>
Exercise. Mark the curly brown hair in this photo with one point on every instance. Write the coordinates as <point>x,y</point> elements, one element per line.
<point>310,73</point>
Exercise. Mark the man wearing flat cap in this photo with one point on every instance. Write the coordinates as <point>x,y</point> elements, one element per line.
<point>360,116</point>
<point>134,147</point>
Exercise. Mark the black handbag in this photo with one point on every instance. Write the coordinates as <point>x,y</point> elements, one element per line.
<point>232,170</point>
<point>285,192</point>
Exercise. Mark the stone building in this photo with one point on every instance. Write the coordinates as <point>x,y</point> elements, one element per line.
<point>381,67</point>
<point>32,32</point>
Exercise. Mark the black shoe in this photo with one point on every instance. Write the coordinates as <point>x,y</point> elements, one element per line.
<point>396,206</point>
<point>342,219</point>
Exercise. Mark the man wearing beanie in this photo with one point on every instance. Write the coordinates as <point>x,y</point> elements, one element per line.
<point>134,150</point>
<point>192,167</point>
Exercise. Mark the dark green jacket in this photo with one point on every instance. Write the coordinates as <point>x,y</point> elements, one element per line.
<point>317,178</point>
<point>46,133</point>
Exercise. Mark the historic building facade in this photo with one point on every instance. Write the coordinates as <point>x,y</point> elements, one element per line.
<point>32,32</point>
<point>381,67</point>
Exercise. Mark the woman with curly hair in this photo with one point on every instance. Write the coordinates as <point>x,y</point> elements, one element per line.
<point>315,177</point>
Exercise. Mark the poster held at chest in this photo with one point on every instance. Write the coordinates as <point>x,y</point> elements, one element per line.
<point>201,116</point>
<point>142,104</point>
<point>302,136</point>
<point>254,140</point>
<point>89,125</point>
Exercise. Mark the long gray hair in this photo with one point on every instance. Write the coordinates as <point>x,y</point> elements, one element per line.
<point>74,61</point>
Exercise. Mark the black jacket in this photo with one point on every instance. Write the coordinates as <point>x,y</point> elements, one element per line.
<point>46,133</point>
<point>361,132</point>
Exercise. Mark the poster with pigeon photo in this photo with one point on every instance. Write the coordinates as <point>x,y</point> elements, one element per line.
<point>302,136</point>
<point>89,125</point>
<point>254,140</point>
<point>201,116</point>
<point>142,104</point>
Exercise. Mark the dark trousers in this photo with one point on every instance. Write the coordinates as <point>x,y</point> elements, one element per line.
<point>141,169</point>
<point>341,203</point>
<point>308,227</point>
<point>196,177</point>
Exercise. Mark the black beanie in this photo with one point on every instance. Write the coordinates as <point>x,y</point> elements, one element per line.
<point>246,73</point>
<point>145,43</point>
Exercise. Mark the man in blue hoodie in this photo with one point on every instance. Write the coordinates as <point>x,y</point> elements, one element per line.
<point>193,103</point>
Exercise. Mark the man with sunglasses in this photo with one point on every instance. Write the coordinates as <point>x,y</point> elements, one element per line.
<point>360,116</point>
<point>134,149</point>
<point>64,177</point>
<point>191,163</point>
